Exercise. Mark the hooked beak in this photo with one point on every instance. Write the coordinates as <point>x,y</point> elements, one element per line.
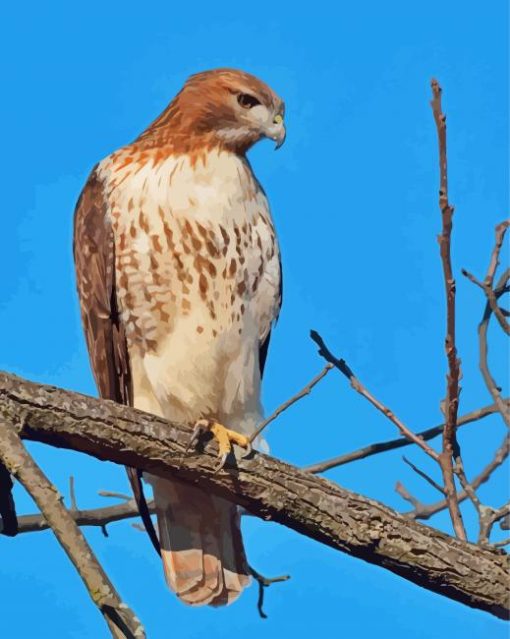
<point>277,131</point>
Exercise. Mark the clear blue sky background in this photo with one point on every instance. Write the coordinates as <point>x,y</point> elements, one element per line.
<point>354,194</point>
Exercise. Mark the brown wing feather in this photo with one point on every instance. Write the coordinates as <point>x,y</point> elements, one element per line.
<point>94,257</point>
<point>264,345</point>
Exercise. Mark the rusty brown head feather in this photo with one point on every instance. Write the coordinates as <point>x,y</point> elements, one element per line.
<point>226,108</point>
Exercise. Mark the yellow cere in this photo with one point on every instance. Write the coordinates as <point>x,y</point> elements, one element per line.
<point>278,119</point>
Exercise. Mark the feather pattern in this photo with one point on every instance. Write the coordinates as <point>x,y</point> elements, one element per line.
<point>179,279</point>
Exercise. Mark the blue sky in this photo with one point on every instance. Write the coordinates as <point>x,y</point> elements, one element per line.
<point>353,193</point>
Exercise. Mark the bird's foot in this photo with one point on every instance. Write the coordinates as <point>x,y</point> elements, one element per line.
<point>224,436</point>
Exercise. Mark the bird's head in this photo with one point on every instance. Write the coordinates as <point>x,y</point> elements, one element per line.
<point>227,107</point>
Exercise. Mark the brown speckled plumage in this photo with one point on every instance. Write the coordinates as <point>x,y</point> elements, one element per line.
<point>179,281</point>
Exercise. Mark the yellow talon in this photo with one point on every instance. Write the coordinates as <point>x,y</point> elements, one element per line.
<point>224,436</point>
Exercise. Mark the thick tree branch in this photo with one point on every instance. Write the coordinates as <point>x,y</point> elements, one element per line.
<point>122,622</point>
<point>103,516</point>
<point>267,488</point>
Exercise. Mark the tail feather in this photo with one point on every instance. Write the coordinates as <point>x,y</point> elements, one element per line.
<point>201,544</point>
<point>235,567</point>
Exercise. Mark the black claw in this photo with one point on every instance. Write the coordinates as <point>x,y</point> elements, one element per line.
<point>198,430</point>
<point>221,464</point>
<point>247,451</point>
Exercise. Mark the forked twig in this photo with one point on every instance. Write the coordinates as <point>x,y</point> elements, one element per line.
<point>264,582</point>
<point>488,283</point>
<point>425,511</point>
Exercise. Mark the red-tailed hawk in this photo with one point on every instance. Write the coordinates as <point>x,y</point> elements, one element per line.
<point>179,280</point>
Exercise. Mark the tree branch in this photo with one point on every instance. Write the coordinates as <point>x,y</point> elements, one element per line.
<point>483,349</point>
<point>424,511</point>
<point>122,622</point>
<point>99,517</point>
<point>267,488</point>
<point>399,442</point>
<point>451,448</point>
<point>283,407</point>
<point>344,368</point>
<point>8,519</point>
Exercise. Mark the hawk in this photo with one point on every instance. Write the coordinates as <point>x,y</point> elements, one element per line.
<point>179,279</point>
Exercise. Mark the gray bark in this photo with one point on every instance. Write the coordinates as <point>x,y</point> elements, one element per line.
<point>267,487</point>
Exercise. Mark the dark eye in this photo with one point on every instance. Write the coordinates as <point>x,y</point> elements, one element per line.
<point>247,101</point>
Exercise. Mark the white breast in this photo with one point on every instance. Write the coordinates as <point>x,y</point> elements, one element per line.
<point>205,362</point>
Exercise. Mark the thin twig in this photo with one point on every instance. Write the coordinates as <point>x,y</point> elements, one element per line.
<point>398,442</point>
<point>122,622</point>
<point>423,475</point>
<point>450,445</point>
<point>491,272</point>
<point>283,407</point>
<point>489,517</point>
<point>72,494</point>
<point>115,495</point>
<point>468,488</point>
<point>502,543</point>
<point>405,494</point>
<point>487,284</point>
<point>358,387</point>
<point>425,511</point>
<point>500,231</point>
<point>264,582</point>
<point>483,349</point>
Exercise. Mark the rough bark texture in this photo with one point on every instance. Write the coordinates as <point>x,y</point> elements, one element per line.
<point>120,619</point>
<point>266,487</point>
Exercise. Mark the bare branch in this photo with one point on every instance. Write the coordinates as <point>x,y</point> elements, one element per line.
<point>302,393</point>
<point>115,495</point>
<point>266,487</point>
<point>343,367</point>
<point>487,284</point>
<point>8,518</point>
<point>72,494</point>
<point>122,622</point>
<point>399,442</point>
<point>502,544</point>
<point>423,511</point>
<point>264,582</point>
<point>99,517</point>
<point>504,524</point>
<point>405,494</point>
<point>423,475</point>
<point>450,444</point>
<point>468,488</point>
<point>489,516</point>
<point>483,348</point>
<point>500,231</point>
